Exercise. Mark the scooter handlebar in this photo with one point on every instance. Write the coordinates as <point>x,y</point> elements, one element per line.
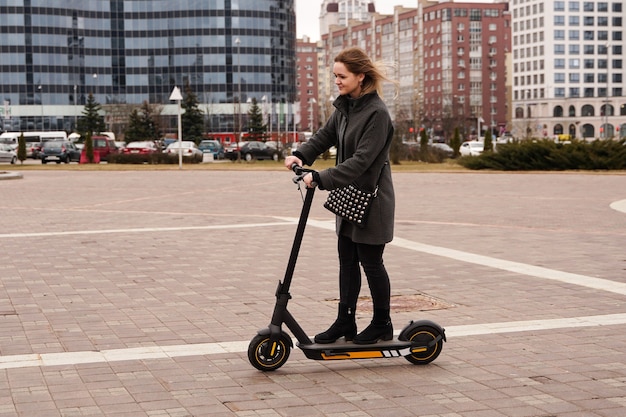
<point>300,172</point>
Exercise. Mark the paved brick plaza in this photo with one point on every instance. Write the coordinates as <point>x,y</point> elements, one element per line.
<point>136,294</point>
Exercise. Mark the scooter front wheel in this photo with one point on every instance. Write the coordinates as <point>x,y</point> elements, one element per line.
<point>266,355</point>
<point>427,342</point>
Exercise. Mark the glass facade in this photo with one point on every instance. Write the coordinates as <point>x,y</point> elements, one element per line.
<point>56,52</point>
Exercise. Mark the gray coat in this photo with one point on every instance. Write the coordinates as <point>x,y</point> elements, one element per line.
<point>362,131</point>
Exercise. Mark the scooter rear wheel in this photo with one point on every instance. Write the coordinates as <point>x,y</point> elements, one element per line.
<point>266,357</point>
<point>427,342</point>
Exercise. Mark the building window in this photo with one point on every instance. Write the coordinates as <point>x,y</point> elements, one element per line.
<point>574,92</point>
<point>559,20</point>
<point>572,111</point>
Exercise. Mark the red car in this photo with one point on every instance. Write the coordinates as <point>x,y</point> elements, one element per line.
<point>140,148</point>
<point>105,146</point>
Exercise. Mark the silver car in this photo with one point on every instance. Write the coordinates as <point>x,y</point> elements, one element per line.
<point>7,154</point>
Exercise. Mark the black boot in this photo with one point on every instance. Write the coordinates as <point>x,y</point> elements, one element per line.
<point>379,329</point>
<point>345,325</point>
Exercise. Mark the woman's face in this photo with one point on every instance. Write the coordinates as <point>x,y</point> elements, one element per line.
<point>347,82</point>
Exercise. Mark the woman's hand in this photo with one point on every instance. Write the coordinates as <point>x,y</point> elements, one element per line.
<point>308,181</point>
<point>290,160</point>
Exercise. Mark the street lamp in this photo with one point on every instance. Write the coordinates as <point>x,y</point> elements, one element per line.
<point>606,104</point>
<point>75,110</point>
<point>178,97</point>
<point>238,42</point>
<point>40,88</point>
<point>311,102</point>
<point>95,83</point>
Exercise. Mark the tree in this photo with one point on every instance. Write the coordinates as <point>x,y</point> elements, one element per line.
<point>424,145</point>
<point>91,121</point>
<point>455,142</point>
<point>488,146</point>
<point>21,148</point>
<point>256,127</point>
<point>142,124</point>
<point>192,118</point>
<point>89,148</point>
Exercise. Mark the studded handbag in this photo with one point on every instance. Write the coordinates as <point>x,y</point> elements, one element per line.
<point>351,203</point>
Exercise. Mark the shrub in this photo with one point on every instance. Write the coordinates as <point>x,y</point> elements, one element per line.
<point>546,155</point>
<point>155,158</point>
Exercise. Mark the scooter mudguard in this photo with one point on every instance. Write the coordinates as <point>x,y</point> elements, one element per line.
<point>267,332</point>
<point>413,325</point>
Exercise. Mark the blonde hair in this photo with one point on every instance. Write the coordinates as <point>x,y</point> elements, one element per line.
<point>358,62</point>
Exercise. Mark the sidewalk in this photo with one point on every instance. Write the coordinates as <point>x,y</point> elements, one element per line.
<point>137,293</point>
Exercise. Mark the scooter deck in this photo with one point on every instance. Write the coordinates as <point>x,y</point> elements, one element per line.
<point>348,350</point>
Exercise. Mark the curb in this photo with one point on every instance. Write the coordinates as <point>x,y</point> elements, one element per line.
<point>7,175</point>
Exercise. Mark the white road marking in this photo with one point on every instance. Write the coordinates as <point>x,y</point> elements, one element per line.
<point>516,267</point>
<point>238,347</point>
<point>161,352</point>
<point>619,206</point>
<point>140,230</point>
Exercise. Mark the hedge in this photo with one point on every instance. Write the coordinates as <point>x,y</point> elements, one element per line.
<point>547,155</point>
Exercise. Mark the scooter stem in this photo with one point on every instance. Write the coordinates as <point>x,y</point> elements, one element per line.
<point>297,241</point>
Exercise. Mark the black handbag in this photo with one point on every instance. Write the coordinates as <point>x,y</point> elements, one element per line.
<point>351,203</point>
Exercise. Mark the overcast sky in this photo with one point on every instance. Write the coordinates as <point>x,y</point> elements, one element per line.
<point>308,13</point>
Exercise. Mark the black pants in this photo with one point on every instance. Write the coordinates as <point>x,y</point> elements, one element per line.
<point>370,257</point>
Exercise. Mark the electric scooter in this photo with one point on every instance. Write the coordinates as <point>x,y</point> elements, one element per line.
<point>420,342</point>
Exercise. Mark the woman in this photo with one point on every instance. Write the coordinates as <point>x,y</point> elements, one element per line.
<point>361,129</point>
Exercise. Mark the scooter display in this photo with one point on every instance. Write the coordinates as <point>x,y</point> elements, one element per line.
<point>420,342</point>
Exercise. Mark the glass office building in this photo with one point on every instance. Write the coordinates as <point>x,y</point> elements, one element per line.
<point>56,52</point>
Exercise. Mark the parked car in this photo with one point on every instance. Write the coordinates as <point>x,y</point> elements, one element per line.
<point>140,148</point>
<point>189,149</point>
<point>212,146</point>
<point>59,151</point>
<point>254,150</point>
<point>471,148</point>
<point>443,147</point>
<point>7,154</point>
<point>33,149</point>
<point>105,146</point>
<point>230,152</point>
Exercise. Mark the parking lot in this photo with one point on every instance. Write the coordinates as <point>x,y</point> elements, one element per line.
<point>136,294</point>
